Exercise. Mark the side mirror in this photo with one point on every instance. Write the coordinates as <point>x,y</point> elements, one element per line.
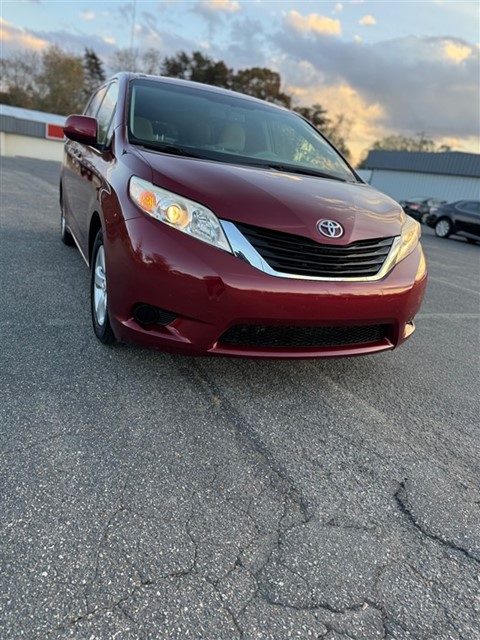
<point>81,129</point>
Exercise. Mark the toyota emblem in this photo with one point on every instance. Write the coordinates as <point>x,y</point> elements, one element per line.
<point>330,228</point>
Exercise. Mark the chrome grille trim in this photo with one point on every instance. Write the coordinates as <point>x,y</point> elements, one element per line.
<point>245,251</point>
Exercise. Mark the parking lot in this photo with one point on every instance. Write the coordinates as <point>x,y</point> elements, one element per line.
<point>153,496</point>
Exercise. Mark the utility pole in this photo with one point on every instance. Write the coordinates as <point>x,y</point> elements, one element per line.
<point>132,36</point>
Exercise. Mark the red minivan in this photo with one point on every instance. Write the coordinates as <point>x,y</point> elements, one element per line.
<point>214,223</point>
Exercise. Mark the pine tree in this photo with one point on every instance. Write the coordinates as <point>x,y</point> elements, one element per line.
<point>93,71</point>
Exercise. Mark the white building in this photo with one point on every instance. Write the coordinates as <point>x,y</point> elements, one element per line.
<point>403,174</point>
<point>32,134</point>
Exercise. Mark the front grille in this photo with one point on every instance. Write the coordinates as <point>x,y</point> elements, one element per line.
<point>296,255</point>
<point>288,337</point>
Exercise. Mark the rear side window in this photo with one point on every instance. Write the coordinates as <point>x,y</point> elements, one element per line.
<point>473,207</point>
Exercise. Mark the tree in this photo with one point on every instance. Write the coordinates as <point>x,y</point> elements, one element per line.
<point>61,82</point>
<point>262,83</point>
<point>443,148</point>
<point>94,73</point>
<point>258,82</point>
<point>420,142</point>
<point>337,132</point>
<point>316,114</point>
<point>198,68</point>
<point>124,60</point>
<point>18,79</point>
<point>52,81</point>
<point>151,62</point>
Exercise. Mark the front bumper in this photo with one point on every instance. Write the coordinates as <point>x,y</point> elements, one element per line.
<point>210,291</point>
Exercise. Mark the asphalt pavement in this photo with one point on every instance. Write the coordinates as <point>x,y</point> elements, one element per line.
<point>153,496</point>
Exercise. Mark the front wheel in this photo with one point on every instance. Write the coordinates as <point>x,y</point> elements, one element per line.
<point>424,218</point>
<point>98,293</point>
<point>443,228</point>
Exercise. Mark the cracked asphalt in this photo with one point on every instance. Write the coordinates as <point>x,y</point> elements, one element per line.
<point>152,496</point>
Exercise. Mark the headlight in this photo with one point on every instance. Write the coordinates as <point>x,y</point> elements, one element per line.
<point>178,212</point>
<point>409,238</point>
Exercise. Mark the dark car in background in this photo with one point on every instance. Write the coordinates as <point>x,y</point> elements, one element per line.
<point>457,218</point>
<point>419,208</point>
<point>214,223</point>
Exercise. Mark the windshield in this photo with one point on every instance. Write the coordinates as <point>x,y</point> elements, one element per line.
<point>228,128</point>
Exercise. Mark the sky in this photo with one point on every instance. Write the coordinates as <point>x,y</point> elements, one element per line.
<point>392,67</point>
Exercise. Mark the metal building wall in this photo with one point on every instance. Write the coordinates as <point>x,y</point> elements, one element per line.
<point>402,184</point>
<point>22,127</point>
<point>448,163</point>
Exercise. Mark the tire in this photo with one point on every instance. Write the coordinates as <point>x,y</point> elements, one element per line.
<point>443,228</point>
<point>98,293</point>
<point>65,234</point>
<point>424,218</point>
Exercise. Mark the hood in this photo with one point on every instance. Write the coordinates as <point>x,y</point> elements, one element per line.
<point>277,200</point>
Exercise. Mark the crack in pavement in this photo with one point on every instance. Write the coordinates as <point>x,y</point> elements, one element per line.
<point>250,437</point>
<point>402,502</point>
<point>37,443</point>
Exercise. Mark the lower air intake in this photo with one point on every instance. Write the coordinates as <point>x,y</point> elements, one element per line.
<point>283,337</point>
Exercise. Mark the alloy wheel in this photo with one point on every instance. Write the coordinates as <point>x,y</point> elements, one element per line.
<point>100,287</point>
<point>443,228</point>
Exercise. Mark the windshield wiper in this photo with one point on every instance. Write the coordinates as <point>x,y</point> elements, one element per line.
<point>305,171</point>
<point>167,148</point>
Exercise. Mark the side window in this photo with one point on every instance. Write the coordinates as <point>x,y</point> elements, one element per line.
<point>473,207</point>
<point>105,114</point>
<point>95,101</point>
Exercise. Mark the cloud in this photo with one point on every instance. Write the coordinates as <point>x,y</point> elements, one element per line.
<point>87,15</point>
<point>248,45</point>
<point>457,52</point>
<point>366,118</point>
<point>13,37</point>
<point>411,78</point>
<point>212,10</point>
<point>367,20</point>
<point>166,39</point>
<point>313,23</point>
<point>229,6</point>
<point>339,7</point>
<point>468,144</point>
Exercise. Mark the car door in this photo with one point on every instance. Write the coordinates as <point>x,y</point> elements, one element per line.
<point>74,174</point>
<point>86,168</point>
<point>468,218</point>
